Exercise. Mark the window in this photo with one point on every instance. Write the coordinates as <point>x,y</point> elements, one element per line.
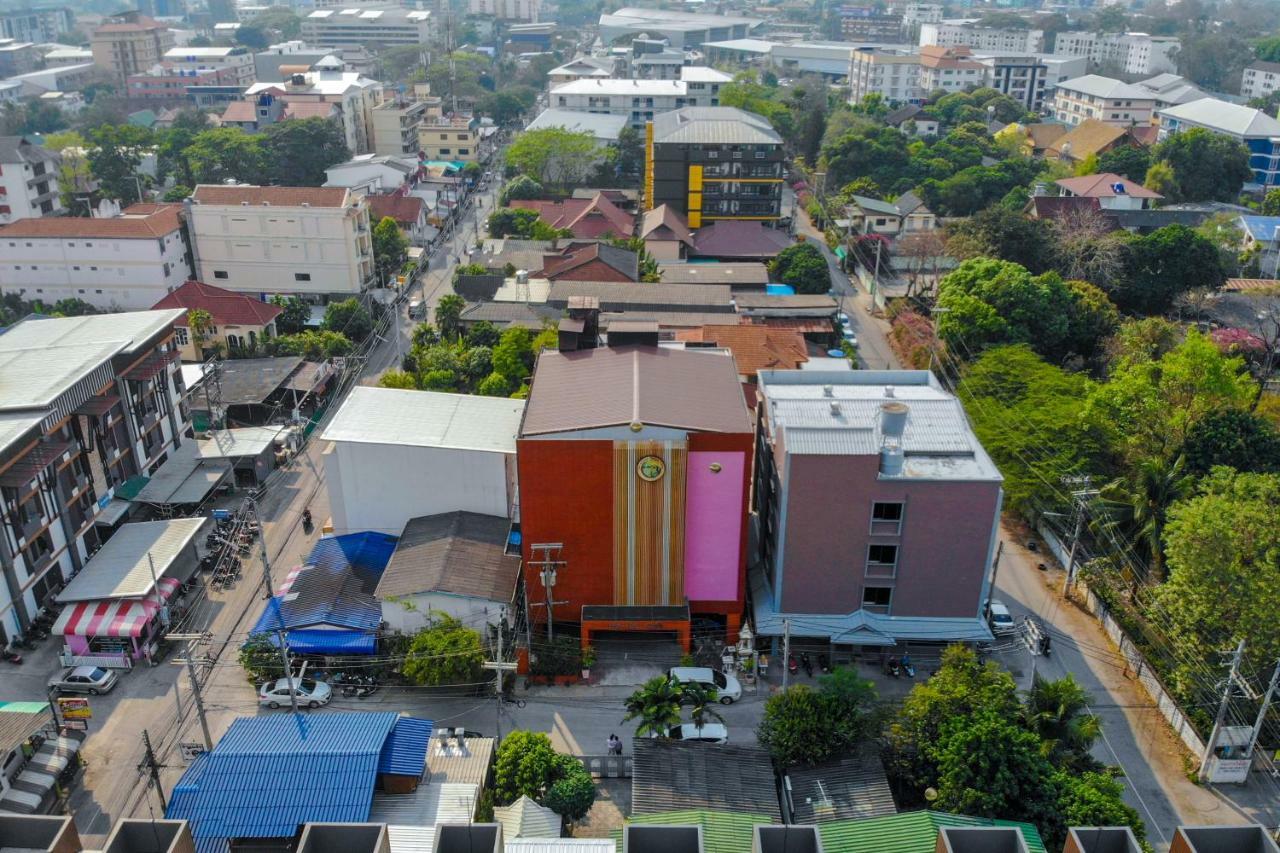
<point>882,555</point>
<point>445,151</point>
<point>302,276</point>
<point>180,335</point>
<point>713,155</point>
<point>760,155</point>
<point>219,273</point>
<point>876,599</point>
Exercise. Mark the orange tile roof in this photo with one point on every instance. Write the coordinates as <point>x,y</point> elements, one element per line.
<point>754,348</point>
<point>225,306</point>
<point>308,109</point>
<point>283,196</point>
<point>240,111</point>
<point>138,222</point>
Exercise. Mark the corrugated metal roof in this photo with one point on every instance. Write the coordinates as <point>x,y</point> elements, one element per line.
<point>19,721</point>
<point>427,419</point>
<point>468,762</point>
<point>184,478</point>
<point>720,777</point>
<point>722,831</point>
<point>329,641</point>
<point>244,441</point>
<point>855,787</point>
<point>461,553</point>
<point>411,839</point>
<point>909,832</point>
<point>334,587</point>
<point>526,819</point>
<point>623,295</point>
<point>431,803</point>
<point>559,845</point>
<point>329,763</point>
<point>121,568</point>
<point>405,751</point>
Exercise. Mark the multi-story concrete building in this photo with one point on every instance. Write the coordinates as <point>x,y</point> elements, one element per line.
<point>388,26</point>
<point>86,403</point>
<point>355,96</point>
<point>1022,77</point>
<point>949,69</point>
<point>129,43</point>
<point>1260,79</point>
<point>449,138</point>
<point>582,68</point>
<point>238,59</point>
<point>1254,129</point>
<point>866,23</point>
<point>17,57</point>
<point>311,241</point>
<point>905,555</point>
<point>828,58</point>
<point>987,39</point>
<point>279,61</point>
<point>170,84</point>
<point>1169,90</point>
<point>703,84</point>
<point>68,56</point>
<point>28,180</point>
<point>1103,98</point>
<point>915,14</point>
<point>396,122</point>
<point>507,10</point>
<point>1131,53</point>
<point>714,163</point>
<point>124,262</point>
<point>680,29</point>
<point>892,73</point>
<point>37,25</point>
<point>640,100</point>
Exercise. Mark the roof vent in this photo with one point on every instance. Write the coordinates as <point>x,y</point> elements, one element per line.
<point>835,407</point>
<point>306,204</point>
<point>244,204</point>
<point>888,391</point>
<point>827,391</point>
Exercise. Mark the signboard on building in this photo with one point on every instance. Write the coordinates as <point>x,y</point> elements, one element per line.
<point>74,709</point>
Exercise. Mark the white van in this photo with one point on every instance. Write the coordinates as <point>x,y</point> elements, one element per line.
<point>417,309</point>
<point>726,687</point>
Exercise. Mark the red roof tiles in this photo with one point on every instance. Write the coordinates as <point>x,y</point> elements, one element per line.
<point>137,222</point>
<point>587,218</point>
<point>404,209</point>
<point>226,307</point>
<point>286,196</point>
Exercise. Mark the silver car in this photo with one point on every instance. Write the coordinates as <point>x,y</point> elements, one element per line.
<point>84,679</point>
<point>310,693</point>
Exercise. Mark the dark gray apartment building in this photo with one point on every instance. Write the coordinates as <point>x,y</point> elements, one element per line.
<point>714,163</point>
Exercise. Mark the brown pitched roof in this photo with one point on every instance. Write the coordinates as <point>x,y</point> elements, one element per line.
<point>283,196</point>
<point>1044,134</point>
<point>1102,185</point>
<point>137,222</point>
<point>308,109</point>
<point>585,217</point>
<point>404,209</point>
<point>1088,137</point>
<point>736,239</point>
<point>664,216</point>
<point>461,553</point>
<point>754,347</point>
<point>240,111</point>
<point>622,260</point>
<point>227,307</point>
<point>613,386</point>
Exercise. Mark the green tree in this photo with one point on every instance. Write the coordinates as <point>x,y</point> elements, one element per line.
<point>1233,437</point>
<point>221,154</point>
<point>390,248</point>
<point>1007,235</point>
<point>293,315</point>
<point>312,345</point>
<point>281,20</point>
<point>260,659</point>
<point>512,222</point>
<point>655,705</point>
<point>448,311</point>
<point>1206,166</point>
<point>1139,500</point>
<point>1091,320</point>
<point>1091,799</point>
<point>1268,49</point>
<point>1224,575</point>
<point>296,152</point>
<point>348,318</point>
<point>483,334</point>
<point>521,187</point>
<point>1271,203</point>
<point>444,652</point>
<point>1128,161</point>
<point>502,107</point>
<point>74,175</point>
<point>803,266</point>
<point>115,154</point>
<point>986,302</point>
<point>1058,712</point>
<point>574,793</point>
<point>176,193</point>
<point>555,157</point>
<point>805,726</point>
<point>252,36</point>
<point>990,766</point>
<point>199,322</point>
<point>524,766</point>
<point>702,704</point>
<point>513,356</point>
<point>630,152</point>
<point>397,379</point>
<point>1160,266</point>
<point>494,385</point>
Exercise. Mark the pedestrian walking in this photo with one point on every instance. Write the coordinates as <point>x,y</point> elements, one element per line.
<point>615,745</point>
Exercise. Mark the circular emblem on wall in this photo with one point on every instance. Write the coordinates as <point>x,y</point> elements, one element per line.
<point>651,468</point>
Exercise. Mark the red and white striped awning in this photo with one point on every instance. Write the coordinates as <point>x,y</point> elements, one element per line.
<point>120,617</point>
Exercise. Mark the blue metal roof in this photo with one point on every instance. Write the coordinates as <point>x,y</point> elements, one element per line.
<point>405,750</point>
<point>269,774</point>
<point>1264,228</point>
<point>332,641</point>
<point>335,586</point>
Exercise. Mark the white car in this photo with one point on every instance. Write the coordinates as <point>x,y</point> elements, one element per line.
<point>310,693</point>
<point>708,733</point>
<point>84,679</point>
<point>724,687</point>
<point>843,318</point>
<point>999,618</point>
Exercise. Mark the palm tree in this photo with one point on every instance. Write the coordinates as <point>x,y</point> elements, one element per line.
<point>656,705</point>
<point>1141,500</point>
<point>703,704</point>
<point>1058,711</point>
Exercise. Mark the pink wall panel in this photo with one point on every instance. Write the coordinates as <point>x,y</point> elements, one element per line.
<point>713,525</point>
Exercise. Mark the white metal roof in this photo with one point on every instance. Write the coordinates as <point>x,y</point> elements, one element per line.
<point>34,377</point>
<point>198,52</point>
<point>702,74</point>
<point>559,845</point>
<point>638,88</point>
<point>1224,116</point>
<point>130,328</point>
<point>233,443</point>
<point>1105,87</point>
<point>427,419</point>
<point>599,125</point>
<point>411,839</point>
<point>431,803</point>
<point>742,45</point>
<point>121,568</point>
<point>526,819</point>
<point>14,424</point>
<point>467,763</point>
<point>184,478</point>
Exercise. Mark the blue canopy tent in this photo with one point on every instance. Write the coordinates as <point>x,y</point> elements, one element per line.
<point>327,606</point>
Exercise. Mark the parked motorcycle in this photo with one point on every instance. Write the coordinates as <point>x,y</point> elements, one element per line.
<point>11,656</point>
<point>894,668</point>
<point>824,663</point>
<point>793,666</point>
<point>908,667</point>
<point>807,664</point>
<point>306,519</point>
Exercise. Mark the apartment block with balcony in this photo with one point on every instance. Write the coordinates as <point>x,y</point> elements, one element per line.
<point>123,262</point>
<point>965,33</point>
<point>395,126</point>
<point>1260,79</point>
<point>1130,53</point>
<point>1022,77</point>
<point>639,100</point>
<point>173,84</point>
<point>449,138</point>
<point>892,73</point>
<point>904,555</point>
<point>950,69</point>
<point>310,241</point>
<point>86,403</point>
<point>238,59</point>
<point>867,24</point>
<point>1102,98</point>
<point>352,27</point>
<point>714,163</point>
<point>28,180</point>
<point>37,25</point>
<point>129,43</point>
<point>327,89</point>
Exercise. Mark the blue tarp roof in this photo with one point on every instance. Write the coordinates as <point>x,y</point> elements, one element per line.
<point>334,588</point>
<point>330,641</point>
<point>269,774</point>
<point>405,752</point>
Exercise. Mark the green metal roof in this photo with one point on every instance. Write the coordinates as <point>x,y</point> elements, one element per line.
<point>908,832</point>
<point>128,490</point>
<point>722,832</point>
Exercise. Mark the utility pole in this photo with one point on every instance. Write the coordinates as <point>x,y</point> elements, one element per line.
<point>499,666</point>
<point>1262,712</point>
<point>547,572</point>
<point>1212,743</point>
<point>153,768</point>
<point>1078,504</point>
<point>786,652</point>
<point>270,588</point>
<point>196,695</point>
<point>995,570</point>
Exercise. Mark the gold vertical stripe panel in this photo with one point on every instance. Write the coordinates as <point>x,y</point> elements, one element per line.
<point>648,528</point>
<point>677,466</point>
<point>621,521</point>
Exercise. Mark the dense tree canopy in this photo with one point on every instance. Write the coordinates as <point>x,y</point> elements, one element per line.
<point>557,158</point>
<point>802,266</point>
<point>1206,166</point>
